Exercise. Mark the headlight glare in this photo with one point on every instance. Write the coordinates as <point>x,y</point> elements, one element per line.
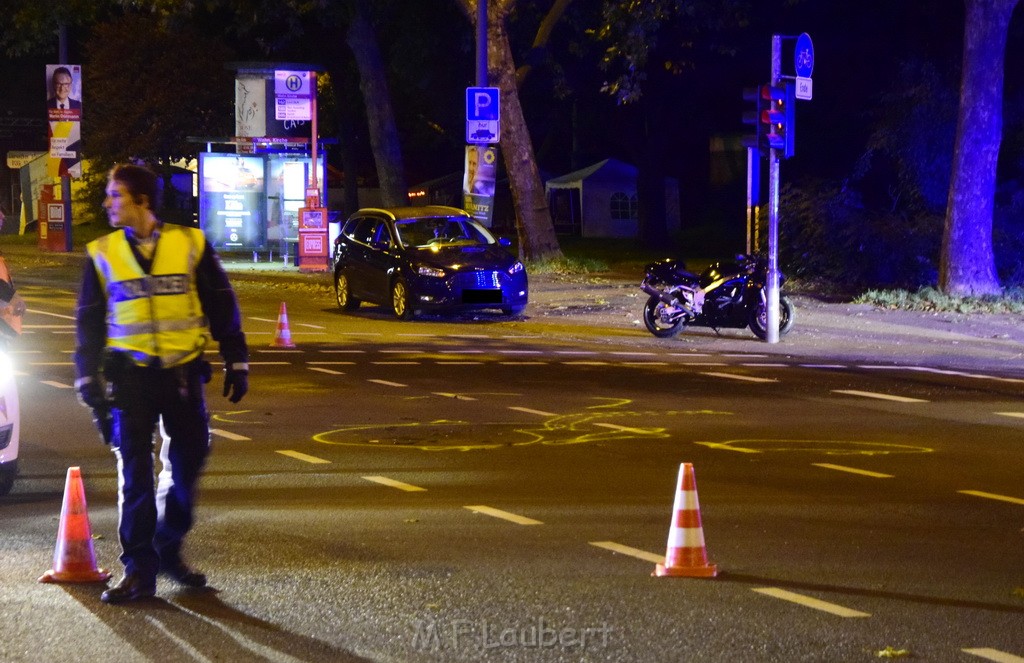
<point>435,272</point>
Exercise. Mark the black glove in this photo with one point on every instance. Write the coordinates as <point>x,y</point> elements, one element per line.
<point>91,394</point>
<point>236,383</point>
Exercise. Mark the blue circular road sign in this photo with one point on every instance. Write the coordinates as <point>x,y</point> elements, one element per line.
<point>803,56</point>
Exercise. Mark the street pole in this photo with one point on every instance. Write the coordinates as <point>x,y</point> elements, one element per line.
<point>314,183</point>
<point>481,43</point>
<point>65,180</point>
<point>772,332</point>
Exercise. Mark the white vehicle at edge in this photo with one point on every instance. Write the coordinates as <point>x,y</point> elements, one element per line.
<point>12,308</point>
<point>9,424</point>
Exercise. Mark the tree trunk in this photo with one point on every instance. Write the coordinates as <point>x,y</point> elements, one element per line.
<point>967,265</point>
<point>387,152</point>
<point>537,240</point>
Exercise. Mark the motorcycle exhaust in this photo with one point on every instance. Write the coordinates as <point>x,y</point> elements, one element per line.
<point>666,297</point>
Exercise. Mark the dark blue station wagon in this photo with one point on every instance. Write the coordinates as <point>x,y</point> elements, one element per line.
<point>425,260</point>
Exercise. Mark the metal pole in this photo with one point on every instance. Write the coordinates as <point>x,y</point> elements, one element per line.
<point>772,335</point>
<point>750,196</point>
<point>481,43</point>
<point>314,184</point>
<point>65,180</point>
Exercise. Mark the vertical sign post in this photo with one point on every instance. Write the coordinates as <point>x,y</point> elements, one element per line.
<point>772,335</point>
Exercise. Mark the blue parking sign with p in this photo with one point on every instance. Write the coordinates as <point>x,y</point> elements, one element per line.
<point>482,104</point>
<point>482,115</point>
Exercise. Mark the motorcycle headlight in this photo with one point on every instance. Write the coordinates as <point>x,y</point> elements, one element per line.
<point>435,272</point>
<point>516,267</point>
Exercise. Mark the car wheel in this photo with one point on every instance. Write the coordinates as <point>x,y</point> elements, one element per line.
<point>401,301</point>
<point>343,292</point>
<point>513,310</point>
<point>7,474</point>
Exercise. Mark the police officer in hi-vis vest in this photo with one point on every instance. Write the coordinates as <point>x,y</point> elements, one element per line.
<point>152,297</point>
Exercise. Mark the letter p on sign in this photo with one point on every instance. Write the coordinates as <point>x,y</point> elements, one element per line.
<point>482,104</point>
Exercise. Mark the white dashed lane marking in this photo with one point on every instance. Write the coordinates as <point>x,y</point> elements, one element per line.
<point>388,383</point>
<point>503,515</point>
<point>744,378</point>
<point>229,435</point>
<point>401,485</point>
<point>993,496</point>
<point>810,602</point>
<point>540,413</point>
<point>993,655</point>
<point>883,397</point>
<point>853,470</point>
<point>298,455</point>
<point>632,552</point>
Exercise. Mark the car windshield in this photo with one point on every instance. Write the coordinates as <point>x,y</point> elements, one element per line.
<point>442,231</point>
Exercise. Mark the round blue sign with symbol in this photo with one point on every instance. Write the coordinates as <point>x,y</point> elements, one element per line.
<point>803,56</point>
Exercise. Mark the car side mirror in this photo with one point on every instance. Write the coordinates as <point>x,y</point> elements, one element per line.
<point>504,241</point>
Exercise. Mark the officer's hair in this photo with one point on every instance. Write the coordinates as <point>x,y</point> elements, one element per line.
<point>138,180</point>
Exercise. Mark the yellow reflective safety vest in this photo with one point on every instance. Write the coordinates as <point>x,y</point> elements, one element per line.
<point>154,316</point>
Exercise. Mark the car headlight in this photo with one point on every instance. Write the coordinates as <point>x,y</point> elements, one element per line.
<point>516,267</point>
<point>435,272</point>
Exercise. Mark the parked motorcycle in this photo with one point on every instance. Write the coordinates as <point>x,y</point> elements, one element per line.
<point>728,294</point>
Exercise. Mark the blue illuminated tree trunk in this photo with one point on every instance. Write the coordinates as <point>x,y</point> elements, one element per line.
<point>967,265</point>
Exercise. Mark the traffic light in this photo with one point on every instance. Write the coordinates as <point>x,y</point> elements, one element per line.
<point>779,118</point>
<point>757,140</point>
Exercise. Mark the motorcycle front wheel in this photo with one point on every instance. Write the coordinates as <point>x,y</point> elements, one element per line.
<point>759,318</point>
<point>656,323</point>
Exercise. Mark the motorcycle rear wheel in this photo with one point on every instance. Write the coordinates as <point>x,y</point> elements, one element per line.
<point>759,318</point>
<point>654,322</point>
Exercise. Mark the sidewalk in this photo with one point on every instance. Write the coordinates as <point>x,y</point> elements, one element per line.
<point>608,308</point>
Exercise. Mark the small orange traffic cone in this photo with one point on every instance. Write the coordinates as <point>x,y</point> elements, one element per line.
<point>686,555</point>
<point>283,337</point>
<point>74,559</point>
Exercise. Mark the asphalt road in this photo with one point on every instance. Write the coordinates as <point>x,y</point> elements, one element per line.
<point>491,490</point>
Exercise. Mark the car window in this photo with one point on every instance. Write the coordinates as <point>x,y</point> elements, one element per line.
<point>361,229</point>
<point>434,231</point>
<point>382,234</point>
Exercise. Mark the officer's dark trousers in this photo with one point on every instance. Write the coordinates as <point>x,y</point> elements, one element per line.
<point>153,522</point>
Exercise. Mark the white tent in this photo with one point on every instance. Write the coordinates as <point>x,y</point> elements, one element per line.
<point>601,201</point>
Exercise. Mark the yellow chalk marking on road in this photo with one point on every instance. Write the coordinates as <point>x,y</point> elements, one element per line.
<point>58,385</point>
<point>328,371</point>
<point>827,447</point>
<point>1018,415</point>
<point>504,515</point>
<point>401,485</point>
<point>853,470</point>
<point>298,455</point>
<point>632,552</point>
<point>810,602</point>
<point>627,429</point>
<point>884,397</point>
<point>993,496</point>
<point>388,383</point>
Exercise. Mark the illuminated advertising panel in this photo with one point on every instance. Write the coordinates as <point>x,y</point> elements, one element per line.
<point>232,200</point>
<point>287,179</point>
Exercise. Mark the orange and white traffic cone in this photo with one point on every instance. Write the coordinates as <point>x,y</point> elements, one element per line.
<point>283,337</point>
<point>74,559</point>
<point>686,555</point>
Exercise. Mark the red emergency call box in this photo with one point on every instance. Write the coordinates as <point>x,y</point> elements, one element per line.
<point>313,244</point>
<point>52,226</point>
